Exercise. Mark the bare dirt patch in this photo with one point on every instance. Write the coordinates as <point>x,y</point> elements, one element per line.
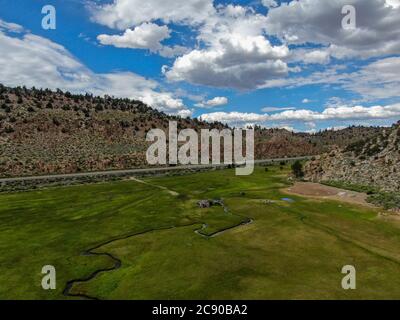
<point>319,191</point>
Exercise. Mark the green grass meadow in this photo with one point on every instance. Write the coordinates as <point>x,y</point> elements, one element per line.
<point>291,250</point>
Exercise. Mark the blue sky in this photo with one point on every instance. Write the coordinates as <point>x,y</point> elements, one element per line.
<point>241,62</point>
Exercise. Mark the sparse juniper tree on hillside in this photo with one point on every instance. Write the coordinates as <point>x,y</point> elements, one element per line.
<point>297,169</point>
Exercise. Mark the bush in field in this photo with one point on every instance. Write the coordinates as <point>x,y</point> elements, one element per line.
<point>388,200</point>
<point>297,169</point>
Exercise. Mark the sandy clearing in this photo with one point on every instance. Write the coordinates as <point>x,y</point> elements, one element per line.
<point>319,191</point>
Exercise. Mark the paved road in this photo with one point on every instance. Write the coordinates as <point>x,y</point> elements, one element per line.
<point>138,171</point>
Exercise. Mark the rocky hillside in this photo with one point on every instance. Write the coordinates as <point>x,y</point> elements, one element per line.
<point>44,132</point>
<point>280,142</point>
<point>55,132</point>
<point>369,162</point>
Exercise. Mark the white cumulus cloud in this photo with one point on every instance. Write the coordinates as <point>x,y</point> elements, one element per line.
<point>123,14</point>
<point>144,36</point>
<point>214,102</point>
<point>235,62</point>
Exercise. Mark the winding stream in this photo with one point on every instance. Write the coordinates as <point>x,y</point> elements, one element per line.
<point>117,262</point>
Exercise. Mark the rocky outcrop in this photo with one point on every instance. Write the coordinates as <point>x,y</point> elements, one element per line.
<point>210,203</point>
<point>372,162</point>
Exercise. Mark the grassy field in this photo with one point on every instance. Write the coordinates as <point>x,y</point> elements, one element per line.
<point>291,250</point>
